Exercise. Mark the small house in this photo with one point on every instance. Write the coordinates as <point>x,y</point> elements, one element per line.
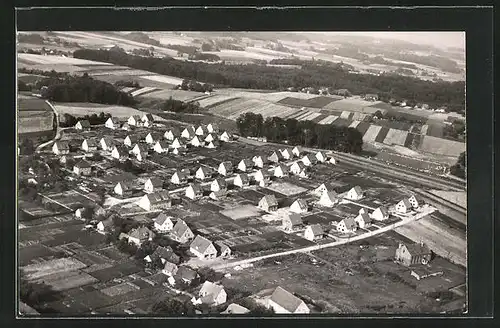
<point>126,127</point>
<point>152,138</point>
<point>423,272</point>
<point>119,152</point>
<point>245,165</point>
<point>218,185</point>
<point>371,97</point>
<point>140,235</point>
<point>363,220</point>
<point>195,142</point>
<point>212,294</point>
<point>170,134</point>
<point>413,254</point>
<point>138,148</point>
<point>134,120</point>
<point>201,131</point>
<point>222,249</point>
<point>107,143</point>
<point>156,201</point>
<point>259,161</point>
<point>404,206</point>
<point>161,146</point>
<point>331,160</point>
<point>163,254</point>
<point>299,206</point>
<point>82,168</point>
<point>321,157</point>
<point>153,184</point>
<point>262,177</point>
<point>179,151</point>
<point>123,188</point>
<point>181,232</point>
<point>213,128</point>
<point>212,144</point>
<point>234,308</point>
<point>105,226</point>
<point>176,144</point>
<point>296,152</point>
<point>188,133</point>
<point>185,274</point>
<point>170,269</point>
<point>210,137</point>
<point>413,201</point>
<point>347,225</point>
<point>324,187</point>
<point>163,223</point>
<point>147,119</point>
<point>204,172</point>
<point>225,137</point>
<point>297,168</point>
<point>218,195</point>
<point>355,193</point>
<point>60,148</point>
<point>275,157</point>
<point>140,156</point>
<point>241,180</point>
<point>309,160</point>
<point>130,140</point>
<point>203,248</point>
<point>225,168</point>
<point>194,191</point>
<point>89,145</point>
<point>292,221</point>
<point>328,199</point>
<point>286,154</point>
<point>79,212</point>
<point>178,178</point>
<point>82,125</point>
<point>282,301</point>
<point>268,203</point>
<point>281,171</point>
<point>380,214</point>
<point>112,123</point>
<point>314,232</point>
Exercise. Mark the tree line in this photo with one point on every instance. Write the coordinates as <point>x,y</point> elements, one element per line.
<point>313,74</point>
<point>177,106</point>
<point>303,133</point>
<point>94,119</point>
<point>459,169</point>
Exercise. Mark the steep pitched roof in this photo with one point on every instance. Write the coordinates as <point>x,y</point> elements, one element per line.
<point>158,197</point>
<point>365,217</point>
<point>156,182</point>
<point>349,222</point>
<point>270,200</point>
<point>244,177</point>
<point>169,266</point>
<point>148,117</point>
<point>358,190</point>
<point>286,299</point>
<point>141,233</point>
<point>107,223</point>
<point>316,229</point>
<point>161,218</point>
<point>162,253</point>
<point>227,165</point>
<point>330,195</point>
<point>234,308</point>
<point>294,218</point>
<point>221,182</point>
<point>418,249</point>
<point>302,203</point>
<point>221,246</point>
<point>91,142</point>
<point>382,210</point>
<point>196,188</point>
<point>83,164</point>
<point>210,288</point>
<point>200,244</point>
<point>180,228</point>
<point>126,185</point>
<point>185,272</point>
<point>406,202</point>
<point>247,162</point>
<point>84,123</point>
<point>62,145</point>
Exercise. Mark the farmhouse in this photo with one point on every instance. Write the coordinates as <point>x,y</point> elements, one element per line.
<point>177,144</point>
<point>204,172</point>
<point>140,235</point>
<point>241,180</point>
<point>218,195</point>
<point>153,185</point>
<point>284,302</point>
<point>225,168</point>
<point>286,154</point>
<point>275,157</point>
<point>321,157</point>
<point>225,137</point>
<point>296,151</point>
<point>82,125</point>
<point>123,188</point>
<point>218,185</point>
<point>194,191</point>
<point>138,148</point>
<point>201,131</point>
<point>119,152</point>
<point>130,140</point>
<point>60,148</point>
<point>105,226</point>
<point>324,187</point>
<point>222,249</point>
<point>147,119</point>
<point>210,137</point>
<point>89,145</point>
<point>309,160</point>
<point>82,168</point>
<point>268,203</point>
<point>188,133</point>
<point>107,143</point>
<point>212,128</point>
<point>281,171</point>
<point>152,138</point>
<point>212,144</point>
<point>170,134</point>
<point>404,206</point>
<point>347,225</point>
<point>212,294</point>
<point>161,146</point>
<point>170,269</point>
<point>245,165</point>
<point>314,232</point>
<point>299,206</point>
<point>328,199</point>
<point>112,123</point>
<point>355,193</point>
<point>413,254</point>
<point>178,178</point>
<point>292,221</point>
<point>195,142</point>
<point>156,201</point>
<point>186,274</point>
<point>164,254</point>
<point>413,201</point>
<point>259,161</point>
<point>234,308</point>
<point>262,177</point>
<point>181,232</point>
<point>163,223</point>
<point>134,120</point>
<point>203,248</point>
<point>380,214</point>
<point>363,220</point>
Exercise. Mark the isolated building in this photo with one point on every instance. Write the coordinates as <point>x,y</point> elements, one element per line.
<point>89,145</point>
<point>309,160</point>
<point>380,214</point>
<point>212,294</point>
<point>203,173</point>
<point>347,225</point>
<point>299,206</point>
<point>203,248</point>
<point>112,123</point>
<point>218,185</point>
<point>153,184</point>
<point>363,220</point>
<point>181,232</point>
<point>163,223</point>
<point>161,147</point>
<point>156,201</point>
<point>355,193</point>
<point>245,165</point>
<point>225,168</point>
<point>268,203</point>
<point>123,188</point>
<point>281,171</point>
<point>284,302</point>
<point>404,206</point>
<point>314,232</point>
<point>60,148</point>
<point>82,168</point>
<point>194,191</point>
<point>140,235</point>
<point>82,125</point>
<point>292,221</point>
<point>412,254</point>
<point>178,178</point>
<point>328,199</point>
<point>241,180</point>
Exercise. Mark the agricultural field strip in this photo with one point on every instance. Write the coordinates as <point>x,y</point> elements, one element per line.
<point>41,59</point>
<point>395,136</point>
<point>371,133</point>
<point>329,119</point>
<point>441,146</point>
<point>142,91</point>
<point>311,117</point>
<point>163,78</point>
<point>354,124</point>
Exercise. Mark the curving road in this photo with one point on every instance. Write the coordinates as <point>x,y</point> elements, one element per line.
<point>58,129</point>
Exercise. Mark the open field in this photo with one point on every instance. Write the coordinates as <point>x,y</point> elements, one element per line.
<point>163,79</point>
<point>37,271</point>
<point>34,121</point>
<point>54,60</point>
<point>456,197</point>
<point>442,146</point>
<point>181,95</point>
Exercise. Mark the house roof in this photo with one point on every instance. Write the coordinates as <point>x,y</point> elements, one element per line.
<point>91,142</point>
<point>227,165</point>
<point>247,162</point>
<point>185,272</point>
<point>301,165</point>
<point>126,185</point>
<point>294,218</point>
<point>200,244</point>
<point>219,193</point>
<point>121,149</point>
<point>221,246</point>
<point>316,229</point>
<point>405,202</point>
<point>190,129</point>
<point>174,130</point>
<point>196,187</point>
<point>214,143</point>
<point>211,288</point>
<point>214,126</point>
<point>261,157</point>
<point>180,228</point>
<point>357,189</point>
<point>148,117</point>
<point>302,203</point>
<point>156,182</point>
<point>132,137</point>
<point>83,164</point>
<point>140,147</point>
<point>244,177</point>
<point>158,197</point>
<point>331,195</point>
<point>108,141</point>
<point>163,144</point>
<point>365,217</point>
<point>286,299</point>
<point>283,168</point>
<point>322,153</point>
<point>276,154</point>
<point>311,157</point>
<point>221,182</point>
<point>349,222</point>
<point>162,252</point>
<point>84,123</point>
<point>383,210</point>
<point>206,170</point>
<point>264,173</point>
<point>270,200</point>
<point>418,249</point>
<point>161,218</point>
<point>234,308</point>
<point>180,175</point>
<point>169,266</point>
<point>115,120</point>
<point>136,117</point>
<point>107,223</point>
<point>141,233</point>
<point>62,145</point>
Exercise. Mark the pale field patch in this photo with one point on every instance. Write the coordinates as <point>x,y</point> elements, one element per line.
<point>163,79</point>
<point>48,268</point>
<point>41,59</point>
<point>456,197</point>
<point>286,188</point>
<point>241,212</point>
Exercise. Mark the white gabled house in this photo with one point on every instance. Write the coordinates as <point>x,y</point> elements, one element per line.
<point>181,232</point>
<point>292,221</point>
<point>331,160</point>
<point>89,145</point>
<point>210,137</point>
<point>413,201</point>
<point>105,226</point>
<point>212,128</point>
<point>152,138</point>
<point>262,177</point>
<point>140,156</point>
<point>179,151</point>
<point>268,203</point>
<point>130,140</point>
<point>163,223</point>
<point>284,302</point>
<point>194,191</point>
<point>241,180</point>
<point>314,232</point>
<point>107,143</point>
<point>161,146</point>
<point>245,165</point>
<point>170,269</point>
<point>404,206</point>
<point>225,168</point>
<point>380,214</point>
<point>126,127</point>
<point>188,133</point>
<point>281,171</point>
<point>212,144</point>
<point>286,153</point>
<point>204,173</point>
<point>309,160</point>
<point>297,168</point>
<point>112,123</point>
<point>259,161</point>
<point>363,220</point>
<point>156,201</point>
<point>138,148</point>
<point>212,294</point>
<point>178,178</point>
<point>222,249</point>
<point>82,168</point>
<point>203,248</point>
<point>347,225</point>
<point>177,144</point>
<point>82,125</point>
<point>119,153</point>
<point>201,131</point>
<point>328,199</point>
<point>170,134</point>
<point>123,188</point>
<point>299,206</point>
<point>147,119</point>
<point>321,157</point>
<point>153,184</point>
<point>195,142</point>
<point>218,195</point>
<point>296,151</point>
<point>318,192</point>
<point>134,120</point>
<point>275,157</point>
<point>140,235</point>
<point>218,185</point>
<point>60,148</point>
<point>355,193</point>
<point>225,137</point>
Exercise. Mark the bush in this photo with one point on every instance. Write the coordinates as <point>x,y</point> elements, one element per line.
<point>173,307</point>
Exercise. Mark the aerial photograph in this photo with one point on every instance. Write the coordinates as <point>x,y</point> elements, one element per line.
<point>254,174</point>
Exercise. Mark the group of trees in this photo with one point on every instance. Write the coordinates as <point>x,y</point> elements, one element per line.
<point>142,38</point>
<point>196,86</point>
<point>127,83</point>
<point>204,56</point>
<point>94,119</point>
<point>313,74</point>
<point>304,133</point>
<point>83,89</point>
<point>182,49</point>
<point>455,131</point>
<point>177,106</point>
<point>459,169</point>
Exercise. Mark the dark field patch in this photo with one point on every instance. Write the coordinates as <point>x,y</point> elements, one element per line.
<point>409,140</point>
<point>342,122</point>
<point>28,253</point>
<point>319,118</point>
<point>382,134</point>
<point>435,130</point>
<point>117,271</point>
<point>363,127</point>
<point>84,238</point>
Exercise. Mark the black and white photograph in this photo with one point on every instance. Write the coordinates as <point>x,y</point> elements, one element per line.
<point>241,173</point>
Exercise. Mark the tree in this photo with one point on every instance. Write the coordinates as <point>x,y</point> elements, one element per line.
<point>460,168</point>
<point>173,307</point>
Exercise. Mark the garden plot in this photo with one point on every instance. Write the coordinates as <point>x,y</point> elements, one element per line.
<point>34,121</point>
<point>242,212</point>
<point>328,120</point>
<point>127,72</point>
<point>396,137</point>
<point>163,78</point>
<point>440,146</point>
<point>142,91</point>
<point>69,280</point>
<point>41,59</point>
<point>120,289</point>
<point>310,117</point>
<point>294,114</point>
<point>181,95</point>
<point>354,124</point>
<point>382,134</point>
<point>48,268</point>
<point>371,133</point>
<point>285,188</point>
<point>355,105</point>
